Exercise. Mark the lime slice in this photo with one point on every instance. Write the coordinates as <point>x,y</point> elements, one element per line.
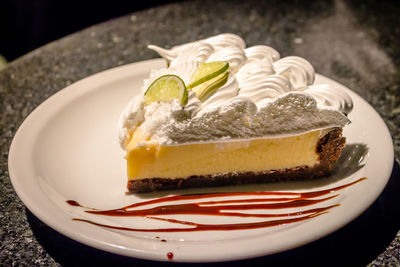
<point>207,89</point>
<point>207,71</point>
<point>165,89</point>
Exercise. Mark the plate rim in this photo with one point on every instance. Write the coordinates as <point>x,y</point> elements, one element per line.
<point>116,72</point>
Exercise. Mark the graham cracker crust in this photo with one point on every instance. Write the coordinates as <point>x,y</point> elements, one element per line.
<point>329,149</point>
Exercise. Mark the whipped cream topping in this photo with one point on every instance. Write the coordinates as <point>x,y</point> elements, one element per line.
<point>265,95</point>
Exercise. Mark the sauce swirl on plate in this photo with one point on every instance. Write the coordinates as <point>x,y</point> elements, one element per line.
<point>221,205</point>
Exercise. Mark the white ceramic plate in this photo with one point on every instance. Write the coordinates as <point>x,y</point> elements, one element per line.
<point>67,149</point>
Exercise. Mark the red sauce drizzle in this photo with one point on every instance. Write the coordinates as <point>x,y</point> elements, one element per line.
<point>224,207</point>
<point>73,203</point>
<point>170,256</point>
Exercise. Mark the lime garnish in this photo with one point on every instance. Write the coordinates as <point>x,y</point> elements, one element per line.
<point>166,88</point>
<point>207,71</point>
<point>206,89</point>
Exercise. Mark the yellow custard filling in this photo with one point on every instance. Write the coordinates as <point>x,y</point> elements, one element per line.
<point>148,160</point>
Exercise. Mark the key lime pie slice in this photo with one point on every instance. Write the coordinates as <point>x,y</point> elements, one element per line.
<point>224,114</point>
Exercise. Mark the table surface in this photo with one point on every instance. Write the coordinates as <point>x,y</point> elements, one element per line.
<point>354,42</point>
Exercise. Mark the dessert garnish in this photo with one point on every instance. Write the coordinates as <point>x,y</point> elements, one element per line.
<point>166,88</point>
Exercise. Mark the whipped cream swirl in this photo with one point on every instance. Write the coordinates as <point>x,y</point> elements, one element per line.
<point>265,95</point>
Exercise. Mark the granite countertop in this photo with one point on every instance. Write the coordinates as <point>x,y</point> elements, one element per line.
<point>354,42</point>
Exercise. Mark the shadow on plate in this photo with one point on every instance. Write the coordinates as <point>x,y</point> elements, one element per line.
<point>356,244</point>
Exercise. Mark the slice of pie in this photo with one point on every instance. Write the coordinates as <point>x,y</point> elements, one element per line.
<point>224,114</point>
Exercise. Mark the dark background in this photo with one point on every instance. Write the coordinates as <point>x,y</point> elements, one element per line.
<point>29,24</point>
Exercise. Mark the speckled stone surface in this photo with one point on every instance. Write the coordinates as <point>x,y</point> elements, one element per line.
<point>354,42</point>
